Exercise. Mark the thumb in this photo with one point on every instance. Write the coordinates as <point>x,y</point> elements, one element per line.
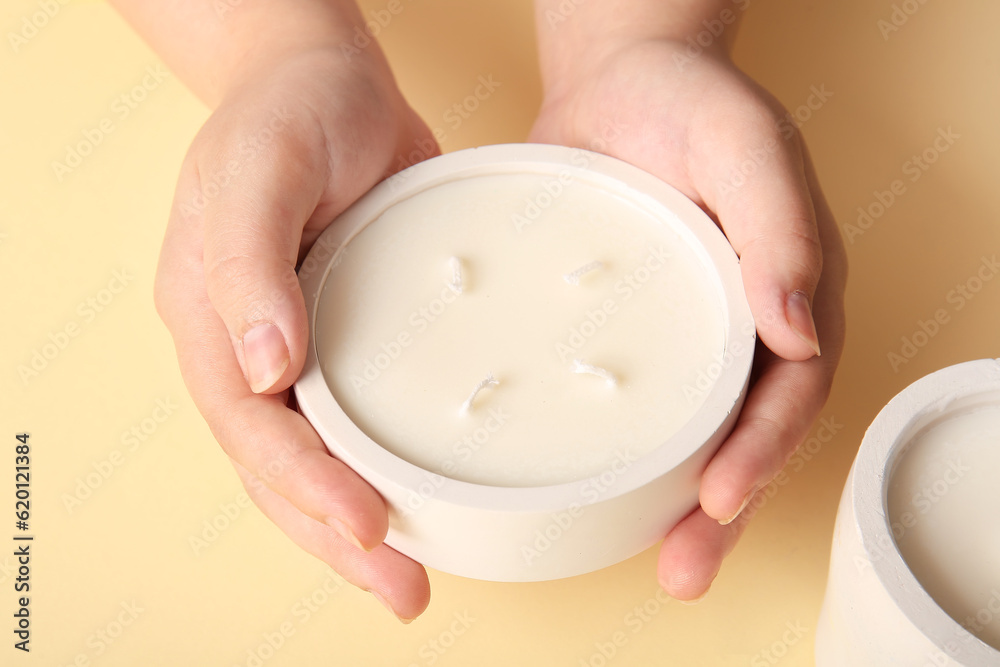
<point>260,184</point>
<point>769,218</point>
<point>252,226</point>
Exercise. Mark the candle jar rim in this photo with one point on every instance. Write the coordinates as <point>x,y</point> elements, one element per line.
<point>940,396</point>
<point>538,158</point>
<point>718,411</point>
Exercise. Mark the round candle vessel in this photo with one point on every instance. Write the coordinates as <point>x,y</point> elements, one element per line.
<point>876,612</point>
<point>536,531</point>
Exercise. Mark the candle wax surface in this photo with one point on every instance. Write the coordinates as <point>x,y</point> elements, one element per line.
<point>943,508</point>
<point>465,282</point>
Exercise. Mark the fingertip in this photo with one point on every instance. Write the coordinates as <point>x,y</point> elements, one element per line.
<point>697,599</point>
<point>683,582</point>
<point>692,553</point>
<point>404,619</point>
<point>727,485</point>
<point>686,569</point>
<point>407,594</point>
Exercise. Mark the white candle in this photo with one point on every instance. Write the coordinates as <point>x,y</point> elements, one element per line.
<point>944,509</point>
<point>916,548</point>
<point>518,330</point>
<point>525,349</point>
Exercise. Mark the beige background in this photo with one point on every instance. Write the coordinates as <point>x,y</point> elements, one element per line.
<point>129,541</point>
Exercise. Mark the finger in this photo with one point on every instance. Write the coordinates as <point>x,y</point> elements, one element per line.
<point>786,397</point>
<point>750,168</point>
<point>252,228</point>
<point>692,553</point>
<point>396,581</point>
<point>276,444</point>
<point>776,417</point>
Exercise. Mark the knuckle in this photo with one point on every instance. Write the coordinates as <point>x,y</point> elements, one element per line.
<point>766,429</point>
<point>232,282</point>
<point>795,246</point>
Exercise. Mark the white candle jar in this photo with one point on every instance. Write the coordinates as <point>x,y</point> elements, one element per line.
<point>916,531</point>
<point>513,243</point>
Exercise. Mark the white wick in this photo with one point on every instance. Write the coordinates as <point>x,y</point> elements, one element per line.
<point>488,381</point>
<point>609,377</point>
<point>573,278</point>
<point>457,283</point>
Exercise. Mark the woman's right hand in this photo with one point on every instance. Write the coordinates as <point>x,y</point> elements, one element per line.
<point>287,149</point>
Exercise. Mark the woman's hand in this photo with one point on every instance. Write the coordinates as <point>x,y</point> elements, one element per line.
<point>628,86</point>
<point>283,154</point>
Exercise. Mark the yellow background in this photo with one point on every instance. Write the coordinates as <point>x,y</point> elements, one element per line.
<point>129,542</point>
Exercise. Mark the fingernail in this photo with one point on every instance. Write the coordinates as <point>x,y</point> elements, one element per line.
<point>266,356</point>
<point>345,531</point>
<point>746,501</point>
<point>385,603</point>
<point>800,318</point>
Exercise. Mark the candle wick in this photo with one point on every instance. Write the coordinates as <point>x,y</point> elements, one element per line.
<point>457,283</point>
<point>573,278</point>
<point>488,381</point>
<point>609,377</point>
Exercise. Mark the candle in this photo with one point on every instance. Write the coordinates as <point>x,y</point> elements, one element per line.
<point>915,564</point>
<point>525,349</point>
<point>485,347</point>
<point>943,501</point>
